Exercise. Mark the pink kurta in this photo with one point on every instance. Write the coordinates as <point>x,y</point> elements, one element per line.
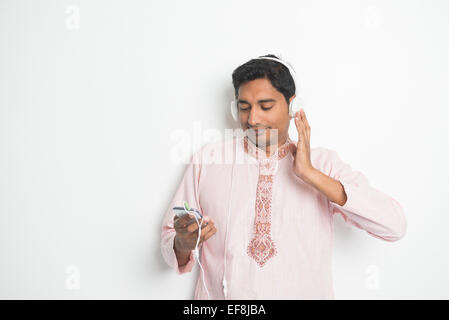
<point>278,236</point>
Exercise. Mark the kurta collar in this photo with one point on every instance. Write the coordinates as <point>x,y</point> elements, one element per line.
<point>260,154</point>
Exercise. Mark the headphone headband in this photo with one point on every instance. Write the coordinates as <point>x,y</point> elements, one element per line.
<point>286,64</point>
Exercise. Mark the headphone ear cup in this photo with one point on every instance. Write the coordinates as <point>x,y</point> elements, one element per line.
<point>295,105</point>
<point>234,110</point>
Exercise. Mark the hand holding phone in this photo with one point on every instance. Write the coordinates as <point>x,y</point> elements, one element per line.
<point>186,238</point>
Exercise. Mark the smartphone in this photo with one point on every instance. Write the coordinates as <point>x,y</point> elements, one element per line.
<point>181,211</point>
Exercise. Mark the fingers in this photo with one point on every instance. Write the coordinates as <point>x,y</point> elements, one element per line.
<point>306,124</point>
<point>188,227</point>
<point>302,126</point>
<point>206,231</point>
<point>194,226</point>
<point>181,223</point>
<point>292,147</point>
<point>209,233</point>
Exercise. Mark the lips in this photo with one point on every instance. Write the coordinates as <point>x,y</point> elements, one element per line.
<point>259,131</point>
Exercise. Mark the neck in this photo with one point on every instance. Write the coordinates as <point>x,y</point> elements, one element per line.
<point>271,148</point>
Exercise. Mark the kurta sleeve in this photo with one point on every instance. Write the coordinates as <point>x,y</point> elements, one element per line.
<point>366,207</point>
<point>187,191</point>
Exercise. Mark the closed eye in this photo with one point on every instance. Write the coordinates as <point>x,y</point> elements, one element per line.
<point>245,109</point>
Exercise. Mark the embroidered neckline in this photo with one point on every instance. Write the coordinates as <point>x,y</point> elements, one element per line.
<point>262,247</point>
<point>260,154</point>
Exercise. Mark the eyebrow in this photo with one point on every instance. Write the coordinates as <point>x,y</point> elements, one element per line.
<point>259,101</point>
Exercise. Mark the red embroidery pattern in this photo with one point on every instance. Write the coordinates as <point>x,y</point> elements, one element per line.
<point>262,247</point>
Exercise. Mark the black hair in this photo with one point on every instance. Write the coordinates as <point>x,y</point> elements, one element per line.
<point>276,72</point>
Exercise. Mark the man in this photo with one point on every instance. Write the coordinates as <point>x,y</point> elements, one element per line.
<point>267,231</point>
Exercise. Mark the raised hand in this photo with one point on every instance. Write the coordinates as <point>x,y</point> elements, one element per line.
<point>302,165</point>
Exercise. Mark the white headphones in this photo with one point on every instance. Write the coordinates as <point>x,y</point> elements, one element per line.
<point>294,106</point>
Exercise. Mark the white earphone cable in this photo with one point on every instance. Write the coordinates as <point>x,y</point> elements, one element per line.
<point>196,250</point>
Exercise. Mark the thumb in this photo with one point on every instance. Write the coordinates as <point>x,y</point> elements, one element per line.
<point>292,148</point>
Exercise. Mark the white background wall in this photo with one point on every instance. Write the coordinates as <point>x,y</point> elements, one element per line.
<point>91,91</point>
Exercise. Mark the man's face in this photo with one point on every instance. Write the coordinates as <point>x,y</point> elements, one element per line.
<point>262,108</point>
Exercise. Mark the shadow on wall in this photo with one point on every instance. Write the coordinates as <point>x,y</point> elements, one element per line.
<point>155,261</point>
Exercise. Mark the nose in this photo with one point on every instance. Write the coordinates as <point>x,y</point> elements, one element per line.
<point>253,117</point>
